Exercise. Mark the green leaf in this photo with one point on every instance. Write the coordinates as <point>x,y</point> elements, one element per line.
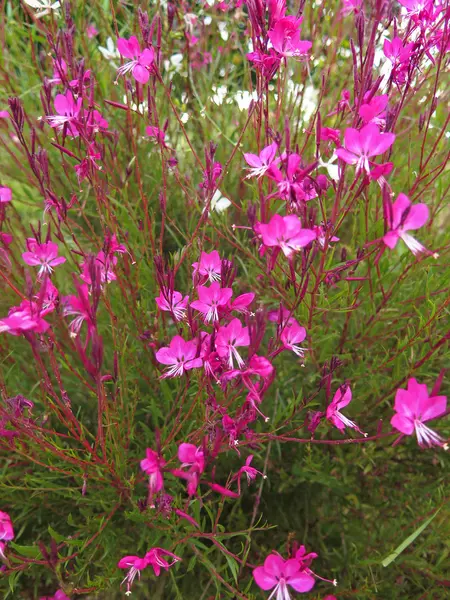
<point>409,540</point>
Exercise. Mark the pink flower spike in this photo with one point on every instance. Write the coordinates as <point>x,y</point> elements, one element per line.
<point>5,195</point>
<point>173,302</point>
<point>279,575</point>
<point>403,217</point>
<point>152,465</point>
<point>259,165</point>
<point>210,299</point>
<point>209,265</point>
<point>413,408</point>
<point>67,113</point>
<point>139,61</point>
<point>286,233</point>
<point>291,336</point>
<point>43,255</point>
<point>6,527</point>
<point>228,338</point>
<point>361,145</point>
<point>342,397</point>
<point>179,356</point>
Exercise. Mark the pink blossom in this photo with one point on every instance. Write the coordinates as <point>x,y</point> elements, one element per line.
<point>135,564</point>
<point>44,255</point>
<point>5,194</point>
<point>374,111</point>
<point>68,112</point>
<point>6,527</point>
<point>417,7</point>
<point>229,338</point>
<point>285,233</point>
<point>241,302</point>
<point>173,302</point>
<point>329,134</point>
<point>211,299</point>
<point>285,38</point>
<point>250,472</point>
<point>349,6</point>
<point>321,235</point>
<point>80,307</point>
<point>91,31</point>
<point>291,336</point>
<point>154,557</point>
<point>396,52</point>
<point>192,457</point>
<point>102,264</point>
<point>158,134</point>
<point>279,575</point>
<point>403,216</point>
<point>342,397</point>
<point>413,407</point>
<point>59,595</point>
<point>89,163</point>
<point>361,145</point>
<point>261,163</point>
<point>277,10</point>
<point>209,265</point>
<point>295,185</point>
<point>26,317</point>
<point>152,465</point>
<point>140,61</point>
<point>179,356</point>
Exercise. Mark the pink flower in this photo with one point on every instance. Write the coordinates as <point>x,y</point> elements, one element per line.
<point>211,299</point>
<point>44,255</point>
<point>374,110</point>
<point>349,6</point>
<point>140,61</point>
<point>342,397</point>
<point>5,195</point>
<point>173,302</point>
<point>416,7</point>
<point>285,233</point>
<point>413,408</point>
<point>26,317</point>
<point>291,336</point>
<point>102,264</point>
<point>6,527</point>
<point>59,595</point>
<point>396,52</point>
<point>321,235</point>
<point>403,216</point>
<point>154,557</point>
<point>279,575</point>
<point>158,134</point>
<point>285,38</point>
<point>179,356</point>
<point>91,31</point>
<point>295,185</point>
<point>191,456</point>
<point>250,472</point>
<point>135,564</point>
<point>80,307</point>
<point>67,113</point>
<point>364,144</point>
<point>152,465</point>
<point>228,338</point>
<point>209,265</point>
<point>261,164</point>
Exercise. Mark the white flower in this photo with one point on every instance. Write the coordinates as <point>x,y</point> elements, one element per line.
<point>220,93</point>
<point>184,118</point>
<point>43,6</point>
<point>222,25</point>
<point>110,53</point>
<point>219,203</point>
<point>333,170</point>
<point>244,98</point>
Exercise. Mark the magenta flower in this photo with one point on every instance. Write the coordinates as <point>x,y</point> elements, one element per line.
<point>259,165</point>
<point>349,6</point>
<point>342,397</point>
<point>91,31</point>
<point>6,527</point>
<point>26,317</point>
<point>135,564</point>
<point>209,265</point>
<point>152,465</point>
<point>362,145</point>
<point>79,307</point>
<point>279,575</point>
<point>413,408</point>
<point>173,302</point>
<point>293,183</point>
<point>291,336</point>
<point>191,456</point>
<point>158,134</point>
<point>154,557</point>
<point>5,194</point>
<point>285,38</point>
<point>285,233</point>
<point>374,111</point>
<point>139,61</point>
<point>250,473</point>
<point>228,338</point>
<point>103,264</point>
<point>417,7</point>
<point>44,255</point>
<point>403,217</point>
<point>211,299</point>
<point>67,113</point>
<point>179,356</point>
<point>59,595</point>
<point>397,53</point>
